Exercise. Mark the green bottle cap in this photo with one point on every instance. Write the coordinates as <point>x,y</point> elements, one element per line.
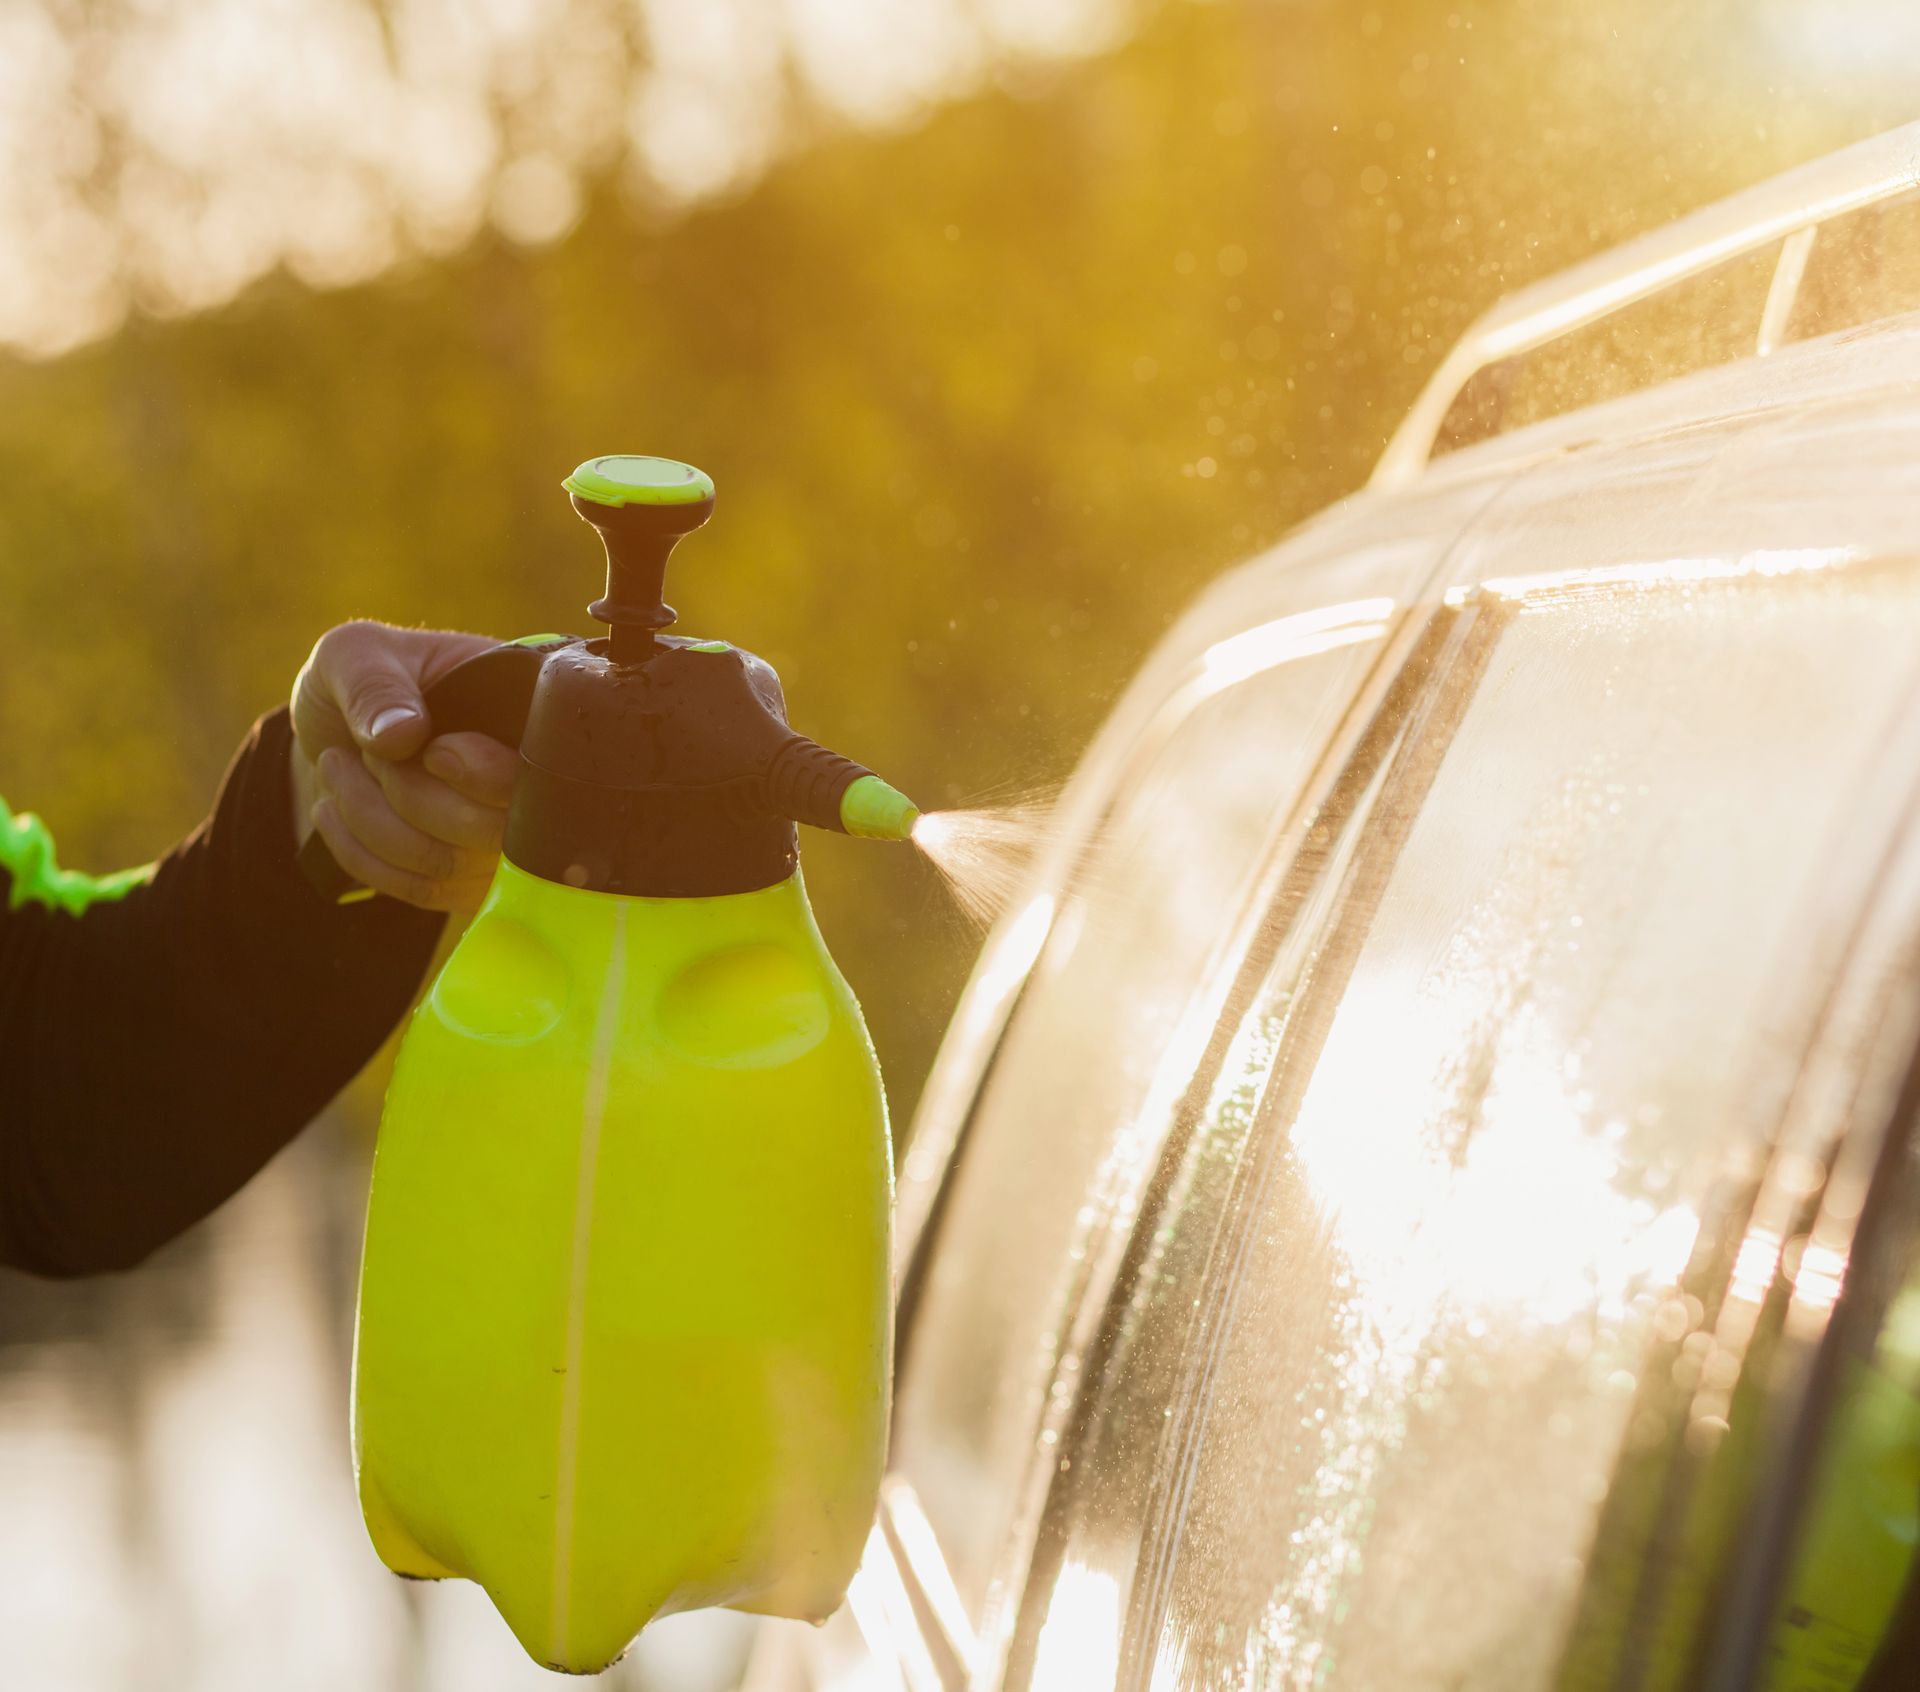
<point>626,478</point>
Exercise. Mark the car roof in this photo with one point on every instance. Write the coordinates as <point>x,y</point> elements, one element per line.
<point>1789,206</point>
<point>1851,402</point>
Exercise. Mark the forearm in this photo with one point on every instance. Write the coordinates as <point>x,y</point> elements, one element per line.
<point>157,1049</point>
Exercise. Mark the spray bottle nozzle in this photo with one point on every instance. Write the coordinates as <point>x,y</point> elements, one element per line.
<point>813,785</point>
<point>875,811</point>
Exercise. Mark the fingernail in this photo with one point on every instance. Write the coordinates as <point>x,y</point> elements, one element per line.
<point>391,718</point>
<point>328,763</point>
<point>442,761</point>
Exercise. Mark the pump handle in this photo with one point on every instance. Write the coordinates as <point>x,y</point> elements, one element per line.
<point>642,507</point>
<point>639,539</point>
<point>489,693</point>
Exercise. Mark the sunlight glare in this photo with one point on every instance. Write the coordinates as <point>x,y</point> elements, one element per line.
<point>1444,1206</point>
<point>1242,656</point>
<point>1667,572</point>
<point>1853,36</point>
<point>1079,1644</point>
<point>924,50</point>
<point>1014,952</point>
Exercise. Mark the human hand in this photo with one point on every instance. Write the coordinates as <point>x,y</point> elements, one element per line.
<point>403,811</point>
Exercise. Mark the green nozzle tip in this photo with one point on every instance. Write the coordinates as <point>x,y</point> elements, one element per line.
<point>625,478</point>
<point>875,811</point>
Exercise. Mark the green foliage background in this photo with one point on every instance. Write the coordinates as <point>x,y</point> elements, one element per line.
<point>987,400</point>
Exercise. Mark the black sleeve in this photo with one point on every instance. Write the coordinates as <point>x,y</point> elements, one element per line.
<point>158,1049</point>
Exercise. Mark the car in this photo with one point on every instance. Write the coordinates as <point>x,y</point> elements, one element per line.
<point>1422,1189</point>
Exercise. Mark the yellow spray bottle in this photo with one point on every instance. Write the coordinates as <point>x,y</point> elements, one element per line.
<point>624,1323</point>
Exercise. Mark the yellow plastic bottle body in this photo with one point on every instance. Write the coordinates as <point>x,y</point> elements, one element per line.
<point>625,1312</point>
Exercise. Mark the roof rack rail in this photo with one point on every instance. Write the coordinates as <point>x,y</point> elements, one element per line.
<point>1791,206</point>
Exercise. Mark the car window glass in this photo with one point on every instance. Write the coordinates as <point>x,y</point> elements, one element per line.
<point>1489,1157</point>
<point>1090,1538</point>
<point>1693,324</point>
<point>1860,267</point>
<point>1068,1117</point>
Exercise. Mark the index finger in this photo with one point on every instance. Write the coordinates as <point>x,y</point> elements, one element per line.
<point>476,766</point>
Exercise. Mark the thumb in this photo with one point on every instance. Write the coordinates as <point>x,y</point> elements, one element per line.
<point>373,680</point>
<point>395,725</point>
